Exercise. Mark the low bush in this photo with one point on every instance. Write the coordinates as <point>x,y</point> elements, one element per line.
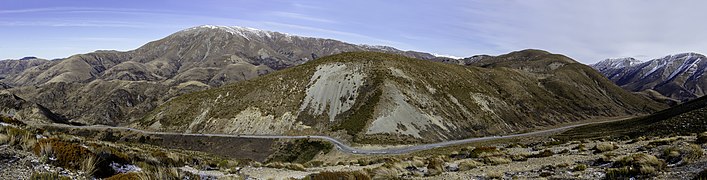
<point>468,164</point>
<point>580,167</point>
<point>353,175</point>
<point>496,160</point>
<point>435,166</point>
<point>4,139</point>
<point>635,165</point>
<point>684,153</point>
<point>68,154</point>
<point>48,176</point>
<point>605,147</point>
<point>13,121</point>
<point>483,151</point>
<point>385,173</point>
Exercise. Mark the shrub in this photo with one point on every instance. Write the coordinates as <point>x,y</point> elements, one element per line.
<point>276,165</point>
<point>635,165</point>
<point>435,166</point>
<point>314,164</point>
<point>605,147</point>
<point>580,167</point>
<point>47,176</point>
<point>418,163</point>
<point>68,155</point>
<point>28,141</point>
<point>495,175</point>
<point>468,164</point>
<point>88,166</point>
<point>683,152</point>
<point>496,160</point>
<point>353,175</point>
<point>483,151</point>
<point>295,166</point>
<point>520,157</point>
<point>580,147</point>
<point>4,139</point>
<point>385,173</point>
<point>12,121</point>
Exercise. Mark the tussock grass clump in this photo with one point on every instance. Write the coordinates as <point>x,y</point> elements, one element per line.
<point>418,163</point>
<point>682,153</point>
<point>385,173</point>
<point>495,175</point>
<point>605,147</point>
<point>580,167</point>
<point>520,157</point>
<point>28,141</point>
<point>484,151</point>
<point>435,166</point>
<point>496,160</point>
<point>88,166</point>
<point>47,176</point>
<point>468,164</point>
<point>12,121</point>
<point>634,165</point>
<point>353,175</point>
<point>4,139</point>
<point>295,166</point>
<point>68,155</point>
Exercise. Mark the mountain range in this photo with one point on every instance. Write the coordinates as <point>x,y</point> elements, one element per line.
<point>111,87</point>
<point>236,80</point>
<point>368,97</point>
<point>674,78</point>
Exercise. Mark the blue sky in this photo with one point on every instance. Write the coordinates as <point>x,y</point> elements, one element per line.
<point>588,30</point>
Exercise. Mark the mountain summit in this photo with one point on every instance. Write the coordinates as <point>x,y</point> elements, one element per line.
<point>678,76</point>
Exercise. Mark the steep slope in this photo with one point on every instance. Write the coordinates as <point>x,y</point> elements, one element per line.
<point>677,76</point>
<point>381,98</point>
<point>683,119</point>
<point>28,112</point>
<point>111,87</point>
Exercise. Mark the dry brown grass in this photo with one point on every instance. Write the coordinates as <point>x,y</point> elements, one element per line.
<point>385,173</point>
<point>635,165</point>
<point>88,166</point>
<point>605,146</point>
<point>496,160</point>
<point>468,164</point>
<point>4,139</point>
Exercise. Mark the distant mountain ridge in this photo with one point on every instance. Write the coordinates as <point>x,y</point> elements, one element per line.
<point>679,76</point>
<point>113,87</point>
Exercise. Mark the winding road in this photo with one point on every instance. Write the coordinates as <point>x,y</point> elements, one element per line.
<point>339,145</point>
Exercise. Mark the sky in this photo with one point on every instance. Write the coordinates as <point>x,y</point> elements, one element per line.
<point>586,30</point>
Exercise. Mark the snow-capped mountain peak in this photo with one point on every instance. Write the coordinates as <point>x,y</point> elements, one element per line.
<point>245,32</point>
<point>616,63</point>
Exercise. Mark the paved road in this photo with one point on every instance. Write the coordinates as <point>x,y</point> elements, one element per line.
<point>339,145</point>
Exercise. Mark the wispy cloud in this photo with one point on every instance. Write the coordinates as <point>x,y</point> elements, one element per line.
<point>299,16</point>
<point>341,34</point>
<point>74,23</point>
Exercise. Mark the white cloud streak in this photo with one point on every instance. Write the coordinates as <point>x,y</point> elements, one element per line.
<point>590,31</point>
